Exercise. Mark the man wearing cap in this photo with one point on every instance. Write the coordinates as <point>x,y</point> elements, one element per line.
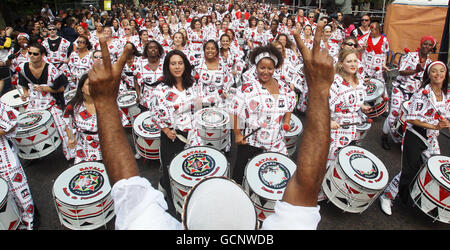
<point>58,52</point>
<point>409,79</point>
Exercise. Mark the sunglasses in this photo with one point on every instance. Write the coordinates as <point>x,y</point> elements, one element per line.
<point>51,29</point>
<point>34,53</point>
<point>351,44</point>
<point>365,20</point>
<point>98,57</point>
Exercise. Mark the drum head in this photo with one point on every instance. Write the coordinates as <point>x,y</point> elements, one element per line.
<point>218,203</point>
<point>33,119</point>
<point>82,184</point>
<point>375,89</point>
<point>362,167</point>
<point>195,163</point>
<point>439,167</point>
<point>143,126</point>
<point>267,174</point>
<point>296,127</point>
<point>363,126</point>
<point>4,190</point>
<point>127,99</point>
<point>12,98</point>
<point>211,117</point>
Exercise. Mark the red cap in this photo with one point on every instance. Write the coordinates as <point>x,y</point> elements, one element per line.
<point>196,76</point>
<point>286,127</point>
<point>220,91</point>
<point>14,82</point>
<point>176,106</point>
<point>425,92</point>
<point>18,69</point>
<point>369,120</point>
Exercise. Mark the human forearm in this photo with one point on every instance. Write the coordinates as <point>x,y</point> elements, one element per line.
<point>116,151</point>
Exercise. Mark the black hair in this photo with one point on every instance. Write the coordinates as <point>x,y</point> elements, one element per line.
<point>271,50</point>
<point>40,47</point>
<point>79,96</point>
<point>160,49</point>
<point>213,42</point>
<point>168,78</point>
<point>88,43</point>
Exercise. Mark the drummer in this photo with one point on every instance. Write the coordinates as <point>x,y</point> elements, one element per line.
<point>263,103</point>
<point>374,57</point>
<point>346,101</point>
<point>80,117</point>
<point>173,112</point>
<point>428,113</point>
<point>214,77</point>
<point>411,68</point>
<point>11,169</point>
<point>44,85</point>
<point>80,60</point>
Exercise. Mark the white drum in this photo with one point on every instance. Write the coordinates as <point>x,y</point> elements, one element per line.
<point>265,179</point>
<point>355,180</point>
<point>213,127</point>
<point>12,98</point>
<point>82,197</point>
<point>206,206</point>
<point>400,124</point>
<point>191,166</point>
<point>362,130</point>
<point>292,135</point>
<point>9,213</point>
<point>376,97</point>
<point>431,189</point>
<point>36,135</point>
<point>127,101</point>
<point>69,95</point>
<point>146,136</point>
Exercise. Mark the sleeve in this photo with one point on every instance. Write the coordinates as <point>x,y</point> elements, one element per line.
<point>417,109</point>
<point>60,81</point>
<point>138,205</point>
<point>23,81</point>
<point>334,100</point>
<point>404,63</point>
<point>290,217</point>
<point>160,111</point>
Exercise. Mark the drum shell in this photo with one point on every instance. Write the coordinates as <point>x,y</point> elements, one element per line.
<point>86,211</point>
<point>12,99</point>
<point>129,107</point>
<point>348,195</point>
<point>400,123</point>
<point>431,195</point>
<point>361,131</point>
<point>9,212</point>
<point>146,142</point>
<point>292,136</point>
<point>377,100</point>
<point>181,188</point>
<point>216,135</point>
<point>38,141</point>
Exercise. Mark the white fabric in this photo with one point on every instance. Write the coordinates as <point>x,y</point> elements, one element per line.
<point>138,205</point>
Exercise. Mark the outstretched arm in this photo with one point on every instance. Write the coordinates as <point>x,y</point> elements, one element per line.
<point>104,81</point>
<point>304,186</point>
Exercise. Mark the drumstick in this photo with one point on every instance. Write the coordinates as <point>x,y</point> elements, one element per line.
<point>254,131</point>
<point>356,123</point>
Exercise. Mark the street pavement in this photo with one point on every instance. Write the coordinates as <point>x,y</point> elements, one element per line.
<point>42,173</point>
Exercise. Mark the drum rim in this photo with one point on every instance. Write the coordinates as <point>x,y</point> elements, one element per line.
<point>246,167</point>
<point>431,172</point>
<point>170,175</point>
<point>200,122</point>
<point>378,96</point>
<point>44,124</point>
<point>127,93</point>
<point>295,133</point>
<point>97,198</point>
<point>136,124</point>
<point>387,174</point>
<point>8,101</point>
<point>189,194</point>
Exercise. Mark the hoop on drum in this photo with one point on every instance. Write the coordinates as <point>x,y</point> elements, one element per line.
<point>265,179</point>
<point>146,136</point>
<point>355,180</point>
<point>82,197</point>
<point>292,135</point>
<point>127,102</point>
<point>13,99</point>
<point>213,127</point>
<point>377,97</point>
<point>400,124</point>
<point>36,135</point>
<point>9,212</point>
<point>210,214</point>
<point>191,166</point>
<point>430,190</point>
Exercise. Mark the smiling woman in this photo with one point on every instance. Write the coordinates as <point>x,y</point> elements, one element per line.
<point>262,108</point>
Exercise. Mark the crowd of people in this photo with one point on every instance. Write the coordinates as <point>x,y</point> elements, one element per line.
<point>250,59</point>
